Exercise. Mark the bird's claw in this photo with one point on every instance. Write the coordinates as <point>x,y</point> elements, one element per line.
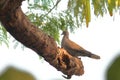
<point>68,76</point>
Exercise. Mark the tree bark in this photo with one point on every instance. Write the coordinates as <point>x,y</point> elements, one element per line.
<point>19,26</point>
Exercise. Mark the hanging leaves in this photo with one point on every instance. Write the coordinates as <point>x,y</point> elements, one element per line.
<point>87,12</point>
<point>45,14</point>
<point>111,6</point>
<point>81,10</point>
<point>77,13</point>
<point>99,7</point>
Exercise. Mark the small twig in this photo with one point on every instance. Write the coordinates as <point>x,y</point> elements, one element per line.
<point>53,7</point>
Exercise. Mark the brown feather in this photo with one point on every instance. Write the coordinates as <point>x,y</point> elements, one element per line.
<point>74,49</point>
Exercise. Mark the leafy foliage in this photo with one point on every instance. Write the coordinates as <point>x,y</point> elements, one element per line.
<point>99,7</point>
<point>46,17</point>
<point>113,4</point>
<point>50,21</point>
<point>81,10</point>
<point>3,36</point>
<point>46,14</point>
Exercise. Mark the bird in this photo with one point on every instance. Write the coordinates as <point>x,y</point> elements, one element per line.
<point>74,49</point>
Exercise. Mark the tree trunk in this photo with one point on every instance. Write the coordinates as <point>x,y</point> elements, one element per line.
<point>17,24</point>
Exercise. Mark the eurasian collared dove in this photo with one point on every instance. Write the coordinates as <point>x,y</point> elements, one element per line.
<point>74,49</point>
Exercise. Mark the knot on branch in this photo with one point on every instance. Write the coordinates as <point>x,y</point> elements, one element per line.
<point>68,64</point>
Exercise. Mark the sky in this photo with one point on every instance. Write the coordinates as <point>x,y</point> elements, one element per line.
<point>101,38</point>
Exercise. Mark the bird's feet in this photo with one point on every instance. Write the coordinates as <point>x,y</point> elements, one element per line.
<point>67,77</point>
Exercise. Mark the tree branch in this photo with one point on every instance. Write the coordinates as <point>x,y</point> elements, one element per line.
<point>18,25</point>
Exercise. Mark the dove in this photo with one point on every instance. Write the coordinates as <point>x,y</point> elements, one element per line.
<point>74,49</point>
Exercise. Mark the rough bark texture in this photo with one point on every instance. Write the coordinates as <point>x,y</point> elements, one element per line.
<point>17,24</point>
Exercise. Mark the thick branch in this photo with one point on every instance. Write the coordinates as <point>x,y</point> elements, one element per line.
<point>17,24</point>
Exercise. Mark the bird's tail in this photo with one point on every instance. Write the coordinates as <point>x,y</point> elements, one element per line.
<point>89,54</point>
<point>95,56</point>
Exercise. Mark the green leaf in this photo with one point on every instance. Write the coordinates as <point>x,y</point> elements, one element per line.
<point>3,36</point>
<point>87,12</point>
<point>113,72</point>
<point>111,6</point>
<point>12,73</point>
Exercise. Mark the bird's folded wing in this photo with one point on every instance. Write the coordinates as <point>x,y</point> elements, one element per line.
<point>72,45</point>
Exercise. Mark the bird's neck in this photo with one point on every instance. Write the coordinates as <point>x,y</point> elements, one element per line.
<point>66,36</point>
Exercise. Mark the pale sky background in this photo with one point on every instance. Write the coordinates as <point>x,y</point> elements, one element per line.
<point>102,37</point>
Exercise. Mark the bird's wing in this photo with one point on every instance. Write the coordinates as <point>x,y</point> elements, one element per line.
<point>71,45</point>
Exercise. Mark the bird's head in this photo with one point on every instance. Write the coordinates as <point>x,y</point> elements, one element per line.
<point>66,33</point>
